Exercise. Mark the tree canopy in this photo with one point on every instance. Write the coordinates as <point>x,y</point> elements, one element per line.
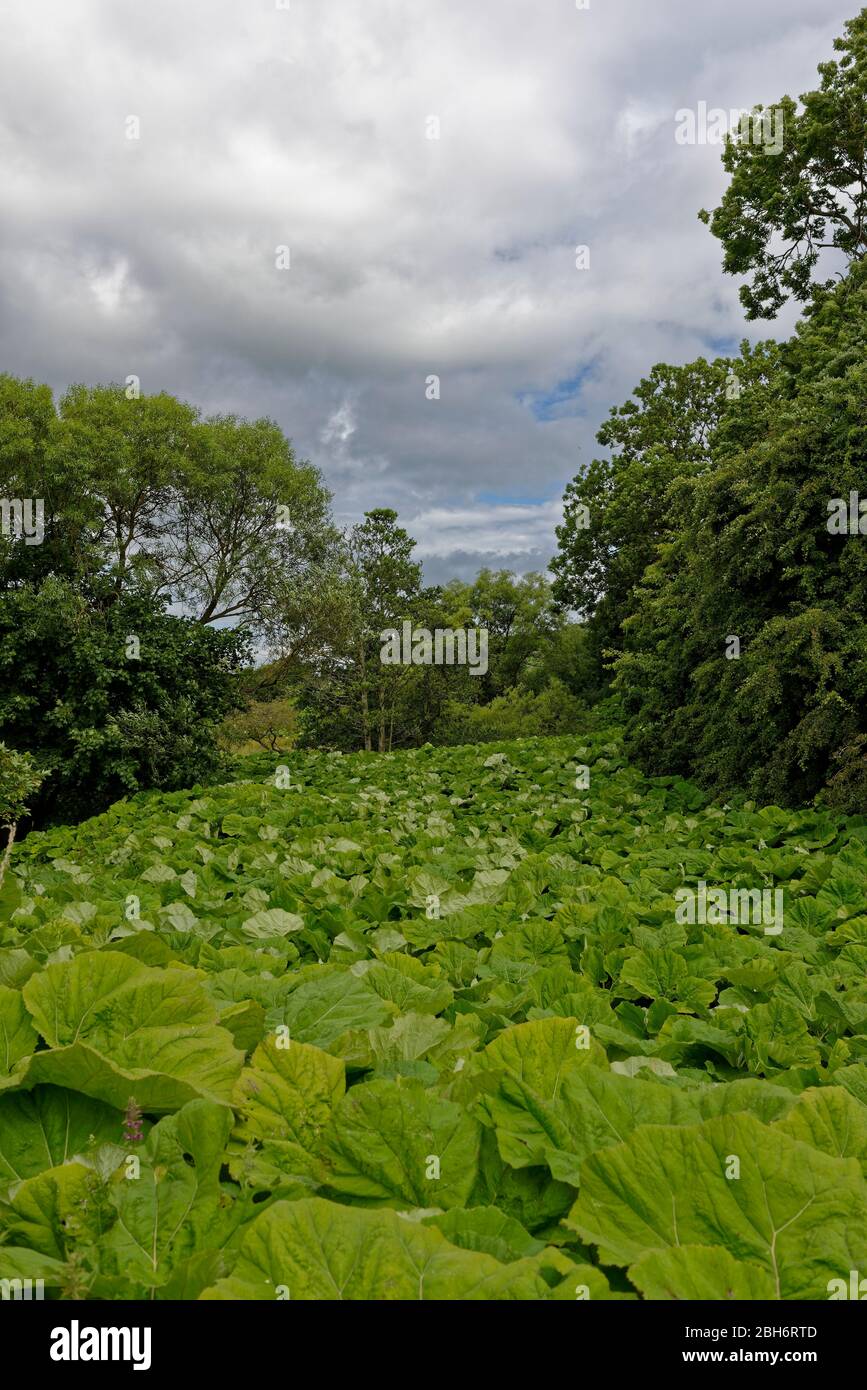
<point>784,207</point>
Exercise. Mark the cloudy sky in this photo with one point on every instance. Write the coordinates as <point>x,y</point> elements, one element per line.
<point>307,124</point>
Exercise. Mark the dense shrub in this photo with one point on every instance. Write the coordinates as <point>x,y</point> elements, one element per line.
<point>517,714</point>
<point>110,699</point>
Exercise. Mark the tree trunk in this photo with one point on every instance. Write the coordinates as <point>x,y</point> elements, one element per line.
<point>365,708</point>
<point>7,853</point>
<point>381,719</point>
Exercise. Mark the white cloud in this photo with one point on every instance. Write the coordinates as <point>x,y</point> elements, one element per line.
<point>340,427</point>
<point>306,127</point>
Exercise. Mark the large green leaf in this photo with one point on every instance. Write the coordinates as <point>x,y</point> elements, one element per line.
<point>18,1037</point>
<point>319,1011</point>
<point>542,1054</point>
<point>171,1209</point>
<point>44,1211</point>
<point>830,1119</point>
<point>19,1262</point>
<point>209,1070</point>
<point>272,921</point>
<point>104,998</point>
<point>488,1230</point>
<point>400,1144</point>
<point>318,1250</point>
<point>704,1272</point>
<point>603,1108</point>
<point>799,1214</point>
<point>288,1093</point>
<point>48,1127</point>
<point>408,986</point>
<point>119,1028</point>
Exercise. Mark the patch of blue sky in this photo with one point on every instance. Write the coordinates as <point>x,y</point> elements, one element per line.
<point>561,403</point>
<point>728,346</point>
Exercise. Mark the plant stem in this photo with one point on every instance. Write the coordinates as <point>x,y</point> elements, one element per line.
<point>7,853</point>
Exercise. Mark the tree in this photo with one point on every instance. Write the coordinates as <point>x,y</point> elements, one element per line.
<point>744,659</point>
<point>781,210</point>
<point>249,522</point>
<point>111,699</point>
<point>272,724</point>
<point>142,505</point>
<point>141,495</point>
<point>622,508</point>
<point>37,465</point>
<point>521,618</point>
<point>387,580</point>
<point>132,456</point>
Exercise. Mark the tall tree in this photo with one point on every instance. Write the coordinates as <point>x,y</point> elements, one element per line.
<point>521,618</point>
<point>744,659</point>
<point>142,495</point>
<point>132,455</point>
<point>622,508</point>
<point>248,520</point>
<point>37,464</point>
<point>147,507</point>
<point>388,581</point>
<point>782,209</point>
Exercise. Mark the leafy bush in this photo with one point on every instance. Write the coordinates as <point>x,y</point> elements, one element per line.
<point>111,699</point>
<point>19,780</point>
<point>847,787</point>
<point>517,714</point>
<point>712,523</point>
<point>739,548</point>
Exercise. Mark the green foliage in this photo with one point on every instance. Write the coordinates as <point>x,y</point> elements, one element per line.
<point>386,580</point>
<point>752,557</point>
<point>150,512</point>
<point>782,209</point>
<point>623,508</point>
<point>347,698</point>
<point>433,1025</point>
<point>847,786</point>
<point>520,617</point>
<point>142,495</point>
<point>19,780</point>
<point>517,714</point>
<point>270,724</point>
<point>699,552</point>
<point>101,721</point>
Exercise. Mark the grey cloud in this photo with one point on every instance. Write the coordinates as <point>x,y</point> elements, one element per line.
<point>263,127</point>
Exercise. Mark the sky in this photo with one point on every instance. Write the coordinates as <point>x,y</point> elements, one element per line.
<point>311,209</point>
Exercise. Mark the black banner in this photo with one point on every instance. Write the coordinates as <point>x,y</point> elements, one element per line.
<point>221,1339</point>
